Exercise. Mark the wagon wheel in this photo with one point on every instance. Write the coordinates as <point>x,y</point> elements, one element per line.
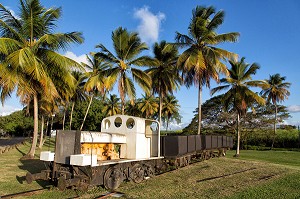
<point>112,178</point>
<point>182,162</point>
<point>187,160</point>
<point>149,170</point>
<point>175,163</point>
<point>208,155</point>
<point>137,173</point>
<point>224,152</point>
<point>203,155</point>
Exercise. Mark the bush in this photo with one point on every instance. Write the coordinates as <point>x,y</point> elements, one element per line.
<point>263,138</point>
<point>17,124</point>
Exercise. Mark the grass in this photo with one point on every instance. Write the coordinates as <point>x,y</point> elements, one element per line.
<point>216,178</point>
<point>256,174</point>
<point>288,158</point>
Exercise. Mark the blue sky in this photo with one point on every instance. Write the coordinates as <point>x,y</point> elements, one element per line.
<point>269,35</point>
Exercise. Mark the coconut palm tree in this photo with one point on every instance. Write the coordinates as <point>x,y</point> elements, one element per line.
<point>127,47</point>
<point>112,105</point>
<point>202,60</point>
<point>239,96</point>
<point>29,50</point>
<point>132,108</point>
<point>97,80</point>
<point>276,91</point>
<point>79,94</point>
<point>47,109</point>
<point>165,74</point>
<point>170,110</point>
<point>148,106</point>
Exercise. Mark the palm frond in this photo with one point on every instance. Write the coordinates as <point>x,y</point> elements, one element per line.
<point>218,89</point>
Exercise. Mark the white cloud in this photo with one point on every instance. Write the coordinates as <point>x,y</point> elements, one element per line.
<point>150,24</point>
<point>173,126</point>
<point>294,108</point>
<point>7,109</point>
<point>79,59</point>
<point>12,12</point>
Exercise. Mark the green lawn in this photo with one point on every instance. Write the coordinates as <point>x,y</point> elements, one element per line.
<point>287,158</point>
<point>256,174</point>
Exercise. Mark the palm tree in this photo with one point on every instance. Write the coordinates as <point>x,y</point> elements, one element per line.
<point>47,108</point>
<point>127,46</point>
<point>165,75</point>
<point>97,80</point>
<point>239,97</point>
<point>276,91</point>
<point>30,61</point>
<point>170,110</point>
<point>78,94</point>
<point>112,105</point>
<point>148,106</point>
<point>132,108</point>
<point>202,60</point>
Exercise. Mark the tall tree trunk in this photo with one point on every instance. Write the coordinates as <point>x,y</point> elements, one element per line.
<point>71,117</point>
<point>123,107</point>
<point>87,112</point>
<point>160,107</point>
<point>238,135</point>
<point>122,95</point>
<point>167,127</point>
<point>64,118</point>
<point>30,154</point>
<point>47,125</point>
<point>42,133</point>
<point>275,122</point>
<point>199,108</point>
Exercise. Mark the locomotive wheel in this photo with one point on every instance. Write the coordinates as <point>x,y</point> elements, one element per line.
<point>161,167</point>
<point>112,178</point>
<point>149,170</point>
<point>137,173</point>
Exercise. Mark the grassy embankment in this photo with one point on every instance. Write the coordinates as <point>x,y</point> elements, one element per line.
<point>257,174</point>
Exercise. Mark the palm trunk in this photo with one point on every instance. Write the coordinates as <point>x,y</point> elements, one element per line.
<point>238,135</point>
<point>47,125</point>
<point>64,119</point>
<point>122,93</point>
<point>274,126</point>
<point>30,154</point>
<point>160,107</point>
<point>71,117</point>
<point>199,108</point>
<point>86,112</point>
<point>42,133</point>
<point>167,124</point>
<point>123,107</point>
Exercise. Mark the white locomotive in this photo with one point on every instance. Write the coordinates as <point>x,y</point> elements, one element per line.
<point>127,148</point>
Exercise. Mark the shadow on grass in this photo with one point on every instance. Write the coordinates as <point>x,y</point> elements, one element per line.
<point>20,151</point>
<point>32,166</point>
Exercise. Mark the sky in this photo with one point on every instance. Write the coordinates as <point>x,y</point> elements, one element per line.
<point>269,32</point>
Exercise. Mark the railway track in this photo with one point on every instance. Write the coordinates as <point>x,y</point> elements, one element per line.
<point>37,191</point>
<point>24,193</point>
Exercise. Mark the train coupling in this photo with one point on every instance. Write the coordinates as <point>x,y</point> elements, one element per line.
<point>44,175</point>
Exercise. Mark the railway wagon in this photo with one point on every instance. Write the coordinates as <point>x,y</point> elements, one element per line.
<point>179,150</point>
<point>127,148</point>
